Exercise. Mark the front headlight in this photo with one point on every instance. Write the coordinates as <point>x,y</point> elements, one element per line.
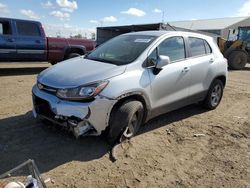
<point>82,92</point>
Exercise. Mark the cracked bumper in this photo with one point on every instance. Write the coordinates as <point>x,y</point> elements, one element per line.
<point>96,112</point>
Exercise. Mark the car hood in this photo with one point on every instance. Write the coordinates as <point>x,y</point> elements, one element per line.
<point>78,71</point>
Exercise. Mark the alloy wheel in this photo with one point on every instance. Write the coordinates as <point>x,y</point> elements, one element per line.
<point>216,95</point>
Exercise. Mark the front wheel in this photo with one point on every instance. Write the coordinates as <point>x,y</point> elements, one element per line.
<point>237,60</point>
<point>125,121</point>
<point>214,95</point>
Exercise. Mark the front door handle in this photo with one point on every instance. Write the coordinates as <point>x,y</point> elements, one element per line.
<point>186,69</point>
<point>10,40</point>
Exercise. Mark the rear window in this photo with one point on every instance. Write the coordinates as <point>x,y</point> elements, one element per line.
<point>28,29</point>
<point>197,47</point>
<point>208,48</point>
<point>5,28</point>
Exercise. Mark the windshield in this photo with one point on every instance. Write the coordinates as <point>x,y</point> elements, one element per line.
<point>244,34</point>
<point>121,50</point>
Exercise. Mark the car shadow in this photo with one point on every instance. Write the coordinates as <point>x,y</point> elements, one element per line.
<point>246,69</point>
<point>23,137</point>
<point>21,71</point>
<point>171,117</point>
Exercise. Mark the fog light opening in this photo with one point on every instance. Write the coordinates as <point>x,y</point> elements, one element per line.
<point>81,128</point>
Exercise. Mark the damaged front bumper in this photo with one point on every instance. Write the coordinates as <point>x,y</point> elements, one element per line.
<point>82,118</point>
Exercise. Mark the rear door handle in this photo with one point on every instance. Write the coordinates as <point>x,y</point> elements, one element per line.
<point>185,69</point>
<point>38,41</point>
<point>211,60</point>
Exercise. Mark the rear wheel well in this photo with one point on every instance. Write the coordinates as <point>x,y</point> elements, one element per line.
<point>221,78</point>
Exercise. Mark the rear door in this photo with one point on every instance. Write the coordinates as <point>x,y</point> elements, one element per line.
<point>201,58</point>
<point>30,42</point>
<point>7,41</point>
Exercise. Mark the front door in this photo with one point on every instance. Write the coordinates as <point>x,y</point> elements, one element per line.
<point>30,42</point>
<point>170,87</point>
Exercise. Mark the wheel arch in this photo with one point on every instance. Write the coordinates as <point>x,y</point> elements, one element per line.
<point>138,96</point>
<point>222,78</point>
<point>74,49</point>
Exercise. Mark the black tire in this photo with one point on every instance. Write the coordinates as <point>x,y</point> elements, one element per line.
<point>237,60</point>
<point>125,121</point>
<point>53,63</point>
<point>72,55</point>
<point>214,95</point>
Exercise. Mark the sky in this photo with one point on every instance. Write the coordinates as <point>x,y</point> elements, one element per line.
<point>71,17</point>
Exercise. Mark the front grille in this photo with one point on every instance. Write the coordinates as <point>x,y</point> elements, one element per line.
<point>46,88</point>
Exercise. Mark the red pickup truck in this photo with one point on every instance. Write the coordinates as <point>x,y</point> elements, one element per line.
<point>25,40</point>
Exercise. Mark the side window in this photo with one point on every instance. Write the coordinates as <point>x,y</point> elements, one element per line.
<point>208,48</point>
<point>196,46</point>
<point>28,29</point>
<point>173,48</point>
<point>5,28</point>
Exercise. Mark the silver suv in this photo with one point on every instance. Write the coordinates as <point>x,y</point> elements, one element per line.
<point>130,79</point>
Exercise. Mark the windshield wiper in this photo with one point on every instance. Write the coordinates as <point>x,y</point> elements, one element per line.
<point>100,60</point>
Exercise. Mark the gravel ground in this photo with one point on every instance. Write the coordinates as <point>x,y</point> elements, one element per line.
<point>164,154</point>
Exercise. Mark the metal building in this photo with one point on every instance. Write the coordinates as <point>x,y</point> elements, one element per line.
<point>106,33</point>
<point>221,26</point>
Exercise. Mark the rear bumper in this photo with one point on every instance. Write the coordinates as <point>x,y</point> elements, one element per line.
<point>80,117</point>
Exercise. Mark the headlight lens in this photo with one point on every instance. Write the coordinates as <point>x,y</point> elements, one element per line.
<point>82,92</point>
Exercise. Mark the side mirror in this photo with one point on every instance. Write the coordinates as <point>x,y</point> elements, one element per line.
<point>162,61</point>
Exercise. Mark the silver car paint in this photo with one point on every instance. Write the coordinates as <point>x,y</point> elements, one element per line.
<point>176,81</point>
<point>78,71</point>
<point>96,110</point>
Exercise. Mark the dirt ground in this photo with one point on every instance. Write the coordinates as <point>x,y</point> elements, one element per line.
<point>164,154</point>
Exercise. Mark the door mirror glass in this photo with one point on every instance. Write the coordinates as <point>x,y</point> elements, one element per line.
<point>151,62</point>
<point>162,61</point>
